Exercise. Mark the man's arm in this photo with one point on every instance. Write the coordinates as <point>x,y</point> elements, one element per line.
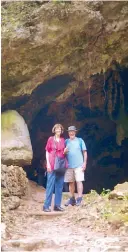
<point>85,160</point>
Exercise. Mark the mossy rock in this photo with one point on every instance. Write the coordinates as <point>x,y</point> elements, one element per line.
<point>120,192</point>
<point>15,145</point>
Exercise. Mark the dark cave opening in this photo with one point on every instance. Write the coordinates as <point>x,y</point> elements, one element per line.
<point>107,160</point>
<point>104,172</point>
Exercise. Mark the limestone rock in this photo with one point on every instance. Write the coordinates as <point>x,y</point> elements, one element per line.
<point>11,202</point>
<point>120,191</point>
<point>14,184</point>
<point>16,146</point>
<point>42,41</point>
<point>13,181</point>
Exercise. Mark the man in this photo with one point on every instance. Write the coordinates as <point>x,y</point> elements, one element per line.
<point>76,152</point>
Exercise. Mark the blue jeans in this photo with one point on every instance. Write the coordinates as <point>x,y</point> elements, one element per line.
<point>53,181</point>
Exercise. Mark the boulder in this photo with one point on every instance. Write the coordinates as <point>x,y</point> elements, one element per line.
<point>14,185</point>
<point>10,203</point>
<point>13,181</point>
<point>16,146</point>
<point>120,191</point>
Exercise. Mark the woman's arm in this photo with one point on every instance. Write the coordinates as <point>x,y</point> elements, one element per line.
<point>48,163</point>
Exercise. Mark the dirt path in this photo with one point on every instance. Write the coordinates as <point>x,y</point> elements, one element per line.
<point>70,231</point>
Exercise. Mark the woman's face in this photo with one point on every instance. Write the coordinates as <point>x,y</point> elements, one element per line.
<point>58,131</point>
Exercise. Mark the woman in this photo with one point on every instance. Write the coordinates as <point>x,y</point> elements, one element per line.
<point>55,146</point>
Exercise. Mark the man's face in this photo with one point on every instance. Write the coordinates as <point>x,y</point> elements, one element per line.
<point>72,134</point>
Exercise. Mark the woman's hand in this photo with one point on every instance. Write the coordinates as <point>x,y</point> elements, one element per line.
<point>49,168</point>
<point>66,150</point>
<point>48,163</point>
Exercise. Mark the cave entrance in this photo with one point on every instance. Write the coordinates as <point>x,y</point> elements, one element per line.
<point>107,160</point>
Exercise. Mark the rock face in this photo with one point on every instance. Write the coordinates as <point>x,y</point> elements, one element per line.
<point>10,203</point>
<point>16,145</point>
<point>56,69</point>
<point>13,186</point>
<point>120,192</point>
<point>44,39</point>
<point>13,180</point>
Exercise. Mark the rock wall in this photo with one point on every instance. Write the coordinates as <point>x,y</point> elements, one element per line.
<point>56,69</point>
<point>15,149</point>
<point>14,185</point>
<point>41,41</point>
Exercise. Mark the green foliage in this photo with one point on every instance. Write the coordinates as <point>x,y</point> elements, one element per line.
<point>93,192</point>
<point>125,198</point>
<point>115,212</point>
<point>106,212</point>
<point>90,197</point>
<point>105,192</point>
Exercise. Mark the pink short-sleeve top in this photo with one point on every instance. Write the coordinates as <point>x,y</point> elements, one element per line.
<point>55,148</point>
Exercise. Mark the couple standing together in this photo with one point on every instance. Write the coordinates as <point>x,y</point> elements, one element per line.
<point>75,152</point>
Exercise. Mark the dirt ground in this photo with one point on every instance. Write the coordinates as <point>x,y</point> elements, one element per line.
<point>76,229</point>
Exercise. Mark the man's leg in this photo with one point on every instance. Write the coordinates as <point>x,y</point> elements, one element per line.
<point>72,189</point>
<point>70,178</point>
<point>79,176</point>
<point>79,188</point>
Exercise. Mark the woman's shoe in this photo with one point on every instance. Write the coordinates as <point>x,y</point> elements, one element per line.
<point>46,209</point>
<point>58,208</point>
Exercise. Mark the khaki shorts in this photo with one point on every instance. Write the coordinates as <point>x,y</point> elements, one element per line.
<point>74,174</point>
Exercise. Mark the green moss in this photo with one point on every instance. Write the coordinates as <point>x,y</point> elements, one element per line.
<point>90,197</point>
<point>115,213</point>
<point>113,218</point>
<point>7,119</point>
<point>113,38</point>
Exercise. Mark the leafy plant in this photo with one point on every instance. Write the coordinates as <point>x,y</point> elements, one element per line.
<point>105,191</point>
